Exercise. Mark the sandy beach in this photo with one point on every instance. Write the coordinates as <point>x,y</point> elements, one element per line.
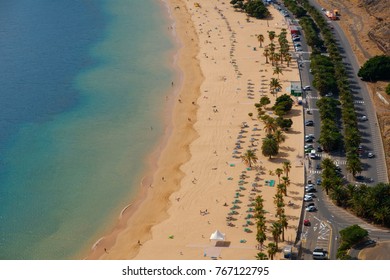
<point>198,172</point>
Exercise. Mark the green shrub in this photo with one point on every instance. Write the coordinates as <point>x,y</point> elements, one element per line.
<point>376,68</point>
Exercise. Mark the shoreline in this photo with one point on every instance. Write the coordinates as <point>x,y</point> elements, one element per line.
<point>198,167</point>
<point>176,117</point>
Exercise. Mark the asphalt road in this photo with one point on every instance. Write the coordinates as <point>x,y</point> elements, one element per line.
<point>330,219</point>
<point>374,168</point>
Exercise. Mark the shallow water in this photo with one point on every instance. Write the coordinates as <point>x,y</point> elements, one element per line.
<point>81,84</point>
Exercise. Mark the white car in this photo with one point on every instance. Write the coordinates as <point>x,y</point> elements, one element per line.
<point>363,118</point>
<point>329,94</point>
<point>308,186</point>
<point>310,195</point>
<point>370,155</point>
<point>307,198</point>
<point>311,209</point>
<point>306,88</point>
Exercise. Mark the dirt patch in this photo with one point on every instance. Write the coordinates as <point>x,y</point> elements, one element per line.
<point>381,251</point>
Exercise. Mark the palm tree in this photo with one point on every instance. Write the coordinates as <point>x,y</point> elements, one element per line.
<point>354,165</point>
<point>261,256</point>
<point>271,48</point>
<point>271,35</point>
<point>276,230</point>
<point>274,85</point>
<point>279,136</point>
<point>286,167</point>
<point>270,125</point>
<point>276,59</point>
<point>286,181</point>
<point>266,54</point>
<point>327,163</point>
<point>260,38</point>
<point>278,198</point>
<point>249,157</point>
<point>278,70</point>
<point>327,184</point>
<point>280,208</point>
<point>288,58</point>
<point>380,214</point>
<point>272,250</point>
<point>279,172</point>
<point>282,188</point>
<point>283,221</point>
<point>261,237</point>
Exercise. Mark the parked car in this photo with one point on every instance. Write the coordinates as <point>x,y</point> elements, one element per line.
<point>309,186</point>
<point>329,94</point>
<point>309,146</point>
<point>297,45</point>
<point>309,195</point>
<point>319,149</point>
<point>308,140</point>
<point>306,222</point>
<point>370,155</point>
<point>298,49</point>
<point>359,178</point>
<point>309,123</point>
<point>363,118</point>
<point>307,198</point>
<point>310,204</point>
<point>306,88</point>
<point>296,39</point>
<point>311,190</point>
<point>311,209</point>
<point>319,181</point>
<point>318,166</point>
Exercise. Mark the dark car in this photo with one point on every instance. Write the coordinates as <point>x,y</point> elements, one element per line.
<point>310,204</point>
<point>319,181</point>
<point>318,167</point>
<point>359,178</point>
<point>319,149</point>
<point>309,123</point>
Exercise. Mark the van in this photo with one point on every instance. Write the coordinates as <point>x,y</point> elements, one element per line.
<point>319,255</point>
<point>313,154</point>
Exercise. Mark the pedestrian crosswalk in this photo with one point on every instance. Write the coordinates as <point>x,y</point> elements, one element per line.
<point>340,162</point>
<point>312,97</point>
<point>358,102</point>
<point>315,171</point>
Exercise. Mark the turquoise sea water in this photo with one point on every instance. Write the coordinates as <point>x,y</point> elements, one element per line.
<point>81,82</point>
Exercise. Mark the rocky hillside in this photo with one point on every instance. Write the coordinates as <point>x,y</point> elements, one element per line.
<point>380,32</point>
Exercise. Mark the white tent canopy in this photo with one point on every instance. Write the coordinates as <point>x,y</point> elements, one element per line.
<point>217,235</point>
